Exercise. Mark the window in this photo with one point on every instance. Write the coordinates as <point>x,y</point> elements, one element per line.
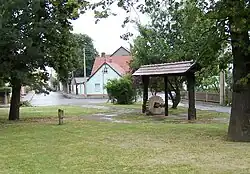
<point>97,87</point>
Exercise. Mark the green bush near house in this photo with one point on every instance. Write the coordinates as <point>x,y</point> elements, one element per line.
<point>121,90</point>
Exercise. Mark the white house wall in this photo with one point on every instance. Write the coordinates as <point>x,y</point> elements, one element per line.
<point>97,83</point>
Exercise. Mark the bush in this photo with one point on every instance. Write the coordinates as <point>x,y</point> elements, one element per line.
<point>121,90</point>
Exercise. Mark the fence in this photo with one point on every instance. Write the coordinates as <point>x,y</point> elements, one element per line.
<point>206,96</point>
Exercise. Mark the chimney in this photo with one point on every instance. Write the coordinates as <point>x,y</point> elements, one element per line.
<point>102,54</point>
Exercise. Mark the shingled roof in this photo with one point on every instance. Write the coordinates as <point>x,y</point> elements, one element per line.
<point>165,68</point>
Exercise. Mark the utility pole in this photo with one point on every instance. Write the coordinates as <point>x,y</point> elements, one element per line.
<point>84,72</point>
<point>222,88</point>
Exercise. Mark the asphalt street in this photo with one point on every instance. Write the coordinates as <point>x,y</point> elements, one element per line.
<point>56,98</point>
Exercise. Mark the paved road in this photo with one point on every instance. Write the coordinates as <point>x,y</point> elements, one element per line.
<point>55,98</point>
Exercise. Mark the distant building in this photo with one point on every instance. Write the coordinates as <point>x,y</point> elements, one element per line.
<point>105,68</point>
<point>77,85</point>
<point>121,52</point>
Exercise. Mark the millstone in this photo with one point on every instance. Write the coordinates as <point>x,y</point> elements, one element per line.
<point>154,101</point>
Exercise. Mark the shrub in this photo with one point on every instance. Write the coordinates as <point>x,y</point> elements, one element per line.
<point>121,90</point>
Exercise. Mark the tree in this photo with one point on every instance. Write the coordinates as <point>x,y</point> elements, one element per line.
<point>236,14</point>
<point>83,41</point>
<point>33,35</point>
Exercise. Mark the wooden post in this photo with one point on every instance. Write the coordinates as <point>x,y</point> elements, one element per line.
<point>191,96</point>
<point>145,81</point>
<point>60,116</point>
<point>166,94</point>
<point>76,89</point>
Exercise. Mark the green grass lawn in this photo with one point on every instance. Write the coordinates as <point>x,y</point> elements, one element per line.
<point>104,147</point>
<point>175,116</point>
<point>49,112</point>
<point>137,105</point>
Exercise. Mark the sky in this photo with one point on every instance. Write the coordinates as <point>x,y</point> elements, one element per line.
<point>106,33</point>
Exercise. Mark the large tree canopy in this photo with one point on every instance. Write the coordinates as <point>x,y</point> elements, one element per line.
<point>171,37</point>
<point>33,35</point>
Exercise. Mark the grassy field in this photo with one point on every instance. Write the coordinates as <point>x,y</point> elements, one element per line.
<point>27,113</point>
<point>178,116</point>
<point>87,146</point>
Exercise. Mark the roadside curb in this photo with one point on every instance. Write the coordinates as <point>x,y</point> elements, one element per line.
<point>73,96</point>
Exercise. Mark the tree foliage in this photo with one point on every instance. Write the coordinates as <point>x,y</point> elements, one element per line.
<point>83,41</point>
<point>33,35</point>
<point>172,37</point>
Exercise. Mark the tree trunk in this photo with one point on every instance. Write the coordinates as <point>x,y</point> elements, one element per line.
<point>15,102</point>
<point>177,99</point>
<point>69,88</point>
<point>239,125</point>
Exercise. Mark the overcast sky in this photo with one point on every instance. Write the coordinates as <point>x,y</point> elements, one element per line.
<point>106,33</point>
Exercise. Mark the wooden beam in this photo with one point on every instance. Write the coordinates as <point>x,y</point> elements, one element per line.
<point>166,94</point>
<point>76,89</point>
<point>191,96</point>
<point>145,81</point>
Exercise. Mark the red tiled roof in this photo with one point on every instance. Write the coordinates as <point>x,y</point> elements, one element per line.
<point>119,63</point>
<point>117,68</point>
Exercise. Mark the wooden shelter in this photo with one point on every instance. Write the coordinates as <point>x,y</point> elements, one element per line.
<point>185,68</point>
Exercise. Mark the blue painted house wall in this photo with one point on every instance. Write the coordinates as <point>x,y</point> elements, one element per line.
<point>97,82</point>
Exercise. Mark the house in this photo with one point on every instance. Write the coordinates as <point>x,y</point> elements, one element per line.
<point>105,68</point>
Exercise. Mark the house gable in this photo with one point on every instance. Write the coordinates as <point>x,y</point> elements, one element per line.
<point>121,61</point>
<point>121,52</point>
<point>101,68</point>
<point>97,82</point>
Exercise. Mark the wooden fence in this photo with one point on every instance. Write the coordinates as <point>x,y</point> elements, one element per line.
<point>205,96</point>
